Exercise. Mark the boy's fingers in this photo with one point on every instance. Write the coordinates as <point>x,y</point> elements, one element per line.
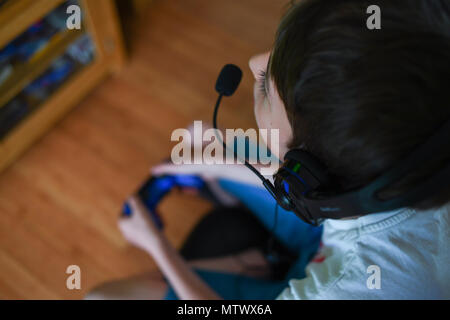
<point>132,202</point>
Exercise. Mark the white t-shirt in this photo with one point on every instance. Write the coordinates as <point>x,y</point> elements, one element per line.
<point>404,254</point>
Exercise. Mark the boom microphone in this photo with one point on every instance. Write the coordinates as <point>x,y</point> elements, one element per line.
<point>229,80</point>
<point>227,83</point>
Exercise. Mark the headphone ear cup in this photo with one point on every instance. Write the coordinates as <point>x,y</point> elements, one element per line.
<point>300,174</point>
<point>290,195</point>
<point>310,165</point>
<point>282,189</point>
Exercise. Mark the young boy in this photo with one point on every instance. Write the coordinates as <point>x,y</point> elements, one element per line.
<point>359,100</point>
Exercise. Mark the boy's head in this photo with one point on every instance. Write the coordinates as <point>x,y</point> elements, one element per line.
<point>359,99</point>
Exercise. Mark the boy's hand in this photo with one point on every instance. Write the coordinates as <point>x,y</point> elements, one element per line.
<point>138,228</point>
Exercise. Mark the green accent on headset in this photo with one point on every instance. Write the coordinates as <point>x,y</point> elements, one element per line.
<point>296,167</point>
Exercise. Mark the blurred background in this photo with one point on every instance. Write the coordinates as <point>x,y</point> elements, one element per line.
<point>85,113</point>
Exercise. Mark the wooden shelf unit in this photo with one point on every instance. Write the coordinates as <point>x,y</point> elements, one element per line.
<point>100,21</point>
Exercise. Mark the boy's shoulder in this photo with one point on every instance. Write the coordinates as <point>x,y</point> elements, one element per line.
<point>399,256</point>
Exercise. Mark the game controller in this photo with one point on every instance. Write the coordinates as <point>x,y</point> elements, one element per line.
<point>153,191</point>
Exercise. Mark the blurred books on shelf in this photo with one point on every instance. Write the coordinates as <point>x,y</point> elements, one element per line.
<point>78,54</point>
<point>45,68</point>
<point>22,56</point>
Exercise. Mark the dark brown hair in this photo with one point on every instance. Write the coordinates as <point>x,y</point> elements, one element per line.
<point>362,99</point>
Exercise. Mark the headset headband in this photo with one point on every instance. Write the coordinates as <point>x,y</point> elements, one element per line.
<point>366,201</point>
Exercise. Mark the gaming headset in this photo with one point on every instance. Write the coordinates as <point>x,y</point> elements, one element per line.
<point>304,186</point>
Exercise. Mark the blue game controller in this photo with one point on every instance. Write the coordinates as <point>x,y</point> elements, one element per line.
<point>156,188</point>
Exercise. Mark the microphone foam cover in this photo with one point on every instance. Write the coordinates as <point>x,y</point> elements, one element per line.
<point>229,80</point>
